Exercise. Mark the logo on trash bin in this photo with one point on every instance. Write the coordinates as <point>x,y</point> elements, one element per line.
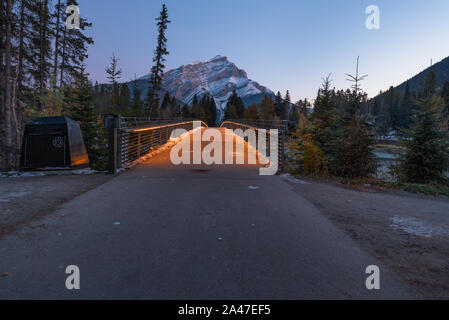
<point>58,142</point>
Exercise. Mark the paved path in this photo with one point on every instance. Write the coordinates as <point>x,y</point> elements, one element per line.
<point>189,232</point>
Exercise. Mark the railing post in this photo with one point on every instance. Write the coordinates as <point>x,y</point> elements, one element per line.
<point>111,122</point>
<point>139,144</point>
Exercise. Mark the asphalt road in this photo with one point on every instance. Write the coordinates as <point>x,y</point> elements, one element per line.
<point>161,231</point>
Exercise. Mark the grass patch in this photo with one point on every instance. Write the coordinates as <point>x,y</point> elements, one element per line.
<point>434,189</point>
<point>427,189</point>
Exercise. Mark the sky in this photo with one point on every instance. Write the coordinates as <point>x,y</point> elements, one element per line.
<point>282,44</point>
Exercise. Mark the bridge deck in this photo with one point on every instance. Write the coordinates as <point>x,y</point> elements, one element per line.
<point>190,232</point>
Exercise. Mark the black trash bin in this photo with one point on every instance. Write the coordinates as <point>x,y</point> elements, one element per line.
<point>53,143</point>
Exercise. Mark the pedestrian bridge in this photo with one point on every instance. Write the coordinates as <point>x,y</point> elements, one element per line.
<point>131,139</point>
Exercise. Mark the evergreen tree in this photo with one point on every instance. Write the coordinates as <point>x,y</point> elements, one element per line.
<point>427,147</point>
<point>278,104</point>
<point>157,71</point>
<point>406,108</point>
<point>445,96</point>
<point>392,101</point>
<point>266,109</point>
<point>136,103</point>
<point>165,110</point>
<point>427,156</point>
<point>72,48</point>
<point>251,113</point>
<point>210,110</point>
<point>237,102</point>
<point>285,107</point>
<point>114,74</point>
<point>124,99</point>
<point>294,113</point>
<point>82,110</point>
<point>430,85</point>
<point>213,112</point>
<point>186,112</point>
<point>197,111</point>
<point>354,140</point>
<point>176,111</point>
<point>324,117</point>
<point>230,112</point>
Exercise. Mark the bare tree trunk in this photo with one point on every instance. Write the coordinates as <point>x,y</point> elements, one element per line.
<point>55,65</point>
<point>61,82</point>
<point>41,51</point>
<point>7,101</point>
<point>2,84</point>
<point>21,46</point>
<point>18,79</point>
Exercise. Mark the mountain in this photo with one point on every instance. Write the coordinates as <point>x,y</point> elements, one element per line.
<point>441,70</point>
<point>217,78</point>
<point>392,112</point>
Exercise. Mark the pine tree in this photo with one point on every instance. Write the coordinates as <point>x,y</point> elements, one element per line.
<point>427,147</point>
<point>392,101</point>
<point>114,74</point>
<point>157,71</point>
<point>285,107</point>
<point>82,110</point>
<point>197,111</point>
<point>251,113</point>
<point>165,110</point>
<point>136,103</point>
<point>73,48</point>
<point>278,104</point>
<point>230,112</point>
<point>324,117</point>
<point>354,140</point>
<point>124,99</point>
<point>405,109</point>
<point>212,120</point>
<point>176,109</point>
<point>294,113</point>
<point>266,109</point>
<point>430,86</point>
<point>186,112</point>
<point>237,102</point>
<point>445,96</point>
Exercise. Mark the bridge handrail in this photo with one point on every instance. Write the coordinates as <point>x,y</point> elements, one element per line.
<point>134,122</point>
<point>260,124</point>
<point>161,126</point>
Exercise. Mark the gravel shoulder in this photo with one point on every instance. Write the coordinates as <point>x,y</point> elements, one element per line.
<point>26,199</point>
<point>407,232</point>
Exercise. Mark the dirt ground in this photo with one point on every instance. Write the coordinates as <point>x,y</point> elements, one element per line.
<point>24,199</point>
<point>409,233</point>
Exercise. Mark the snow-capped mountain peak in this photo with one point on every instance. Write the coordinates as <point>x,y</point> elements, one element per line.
<point>217,77</point>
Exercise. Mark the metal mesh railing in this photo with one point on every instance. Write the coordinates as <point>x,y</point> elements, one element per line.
<point>142,137</point>
<point>258,125</point>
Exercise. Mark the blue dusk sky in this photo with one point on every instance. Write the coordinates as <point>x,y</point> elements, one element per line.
<point>282,44</point>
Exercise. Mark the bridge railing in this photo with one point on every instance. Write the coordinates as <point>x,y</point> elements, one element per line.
<point>134,143</point>
<point>266,125</point>
<point>133,138</point>
<point>137,123</point>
